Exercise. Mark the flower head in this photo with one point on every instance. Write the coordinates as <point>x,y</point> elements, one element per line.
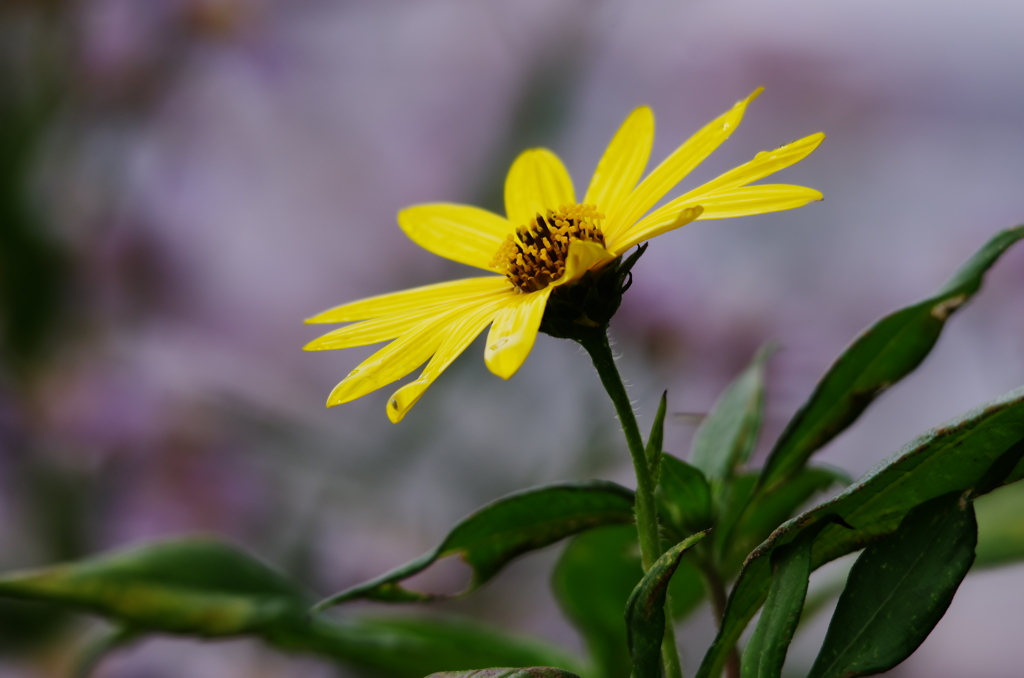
<point>548,239</point>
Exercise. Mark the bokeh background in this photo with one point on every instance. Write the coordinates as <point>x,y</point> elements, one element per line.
<point>183,181</point>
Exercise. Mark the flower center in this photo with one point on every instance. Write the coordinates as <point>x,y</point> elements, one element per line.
<point>535,256</point>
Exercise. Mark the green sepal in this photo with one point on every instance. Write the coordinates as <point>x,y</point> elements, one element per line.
<point>578,309</point>
<point>497,533</point>
<point>645,610</point>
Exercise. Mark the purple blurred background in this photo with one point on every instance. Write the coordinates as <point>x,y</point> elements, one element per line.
<point>185,181</point>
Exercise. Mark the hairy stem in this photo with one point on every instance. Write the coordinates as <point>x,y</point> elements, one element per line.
<point>596,344</point>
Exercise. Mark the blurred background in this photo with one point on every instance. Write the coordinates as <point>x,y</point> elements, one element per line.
<point>183,181</point>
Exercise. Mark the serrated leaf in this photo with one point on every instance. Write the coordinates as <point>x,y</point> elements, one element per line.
<point>645,610</point>
<point>882,355</point>
<point>530,672</point>
<point>412,647</point>
<point>488,539</point>
<point>898,590</point>
<point>950,458</point>
<point>200,587</point>
<point>727,436</point>
<point>684,497</point>
<point>655,442</point>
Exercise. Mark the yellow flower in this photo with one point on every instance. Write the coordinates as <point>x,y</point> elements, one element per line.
<point>547,240</point>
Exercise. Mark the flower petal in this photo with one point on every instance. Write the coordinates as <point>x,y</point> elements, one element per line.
<point>677,165</point>
<point>733,202</point>
<point>761,199</point>
<point>514,330</point>
<point>412,299</point>
<point>622,164</point>
<point>645,231</point>
<point>372,331</point>
<point>468,235</point>
<point>536,182</point>
<point>763,164</point>
<point>459,336</point>
<point>397,359</point>
<point>582,257</point>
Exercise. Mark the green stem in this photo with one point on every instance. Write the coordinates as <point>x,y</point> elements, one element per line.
<point>596,344</point>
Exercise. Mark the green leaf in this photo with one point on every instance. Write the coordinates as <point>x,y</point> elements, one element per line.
<point>1000,527</point>
<point>655,441</point>
<point>882,355</point>
<point>530,672</point>
<point>412,647</point>
<point>898,590</point>
<point>684,497</point>
<point>727,436</point>
<point>592,582</point>
<point>196,586</point>
<point>767,511</point>
<point>950,458</point>
<point>488,539</point>
<point>791,571</point>
<point>645,610</point>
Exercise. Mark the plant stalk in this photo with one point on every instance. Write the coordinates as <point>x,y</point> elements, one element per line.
<point>596,344</point>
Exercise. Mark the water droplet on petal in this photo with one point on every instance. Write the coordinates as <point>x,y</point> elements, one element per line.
<point>498,344</point>
<point>354,372</point>
<point>393,403</point>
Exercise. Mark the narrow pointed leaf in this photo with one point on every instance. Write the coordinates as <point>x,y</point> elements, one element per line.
<point>766,652</point>
<point>655,441</point>
<point>195,586</point>
<point>767,511</point>
<point>882,355</point>
<point>951,458</point>
<point>488,539</point>
<point>412,647</point>
<point>727,436</point>
<point>593,580</point>
<point>684,497</point>
<point>645,610</point>
<point>898,590</point>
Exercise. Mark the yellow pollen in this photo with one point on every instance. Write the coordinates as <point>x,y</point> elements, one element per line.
<point>534,256</point>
